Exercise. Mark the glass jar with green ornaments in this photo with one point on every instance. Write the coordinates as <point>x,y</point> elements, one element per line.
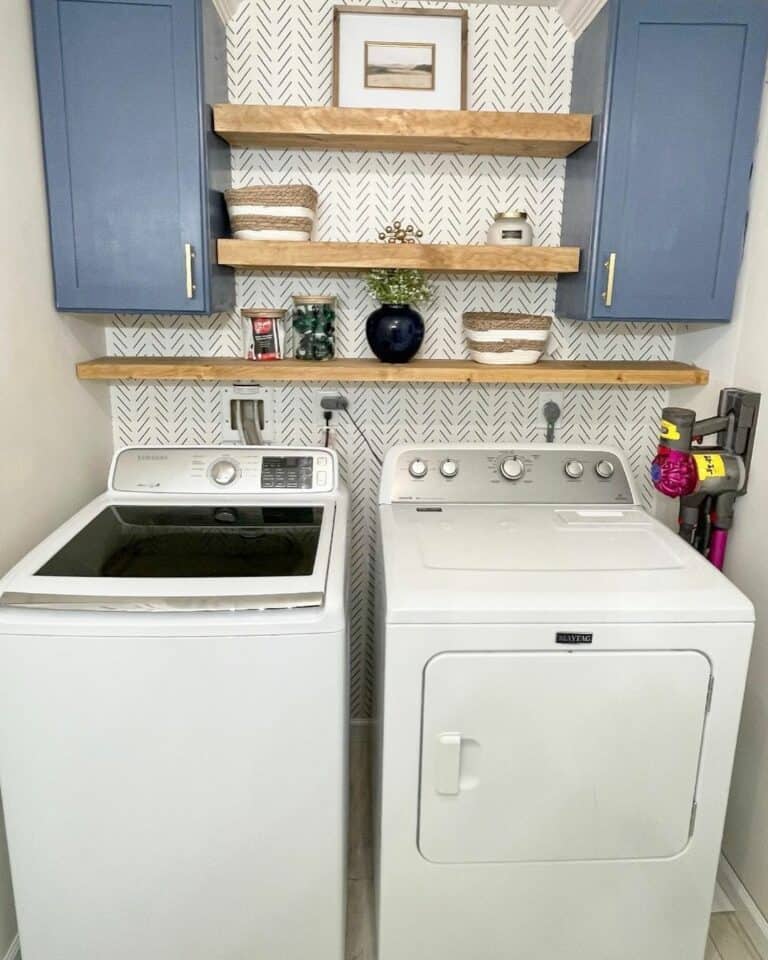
<point>395,331</point>
<point>313,327</point>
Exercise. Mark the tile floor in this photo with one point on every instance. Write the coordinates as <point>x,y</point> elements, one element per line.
<point>727,940</point>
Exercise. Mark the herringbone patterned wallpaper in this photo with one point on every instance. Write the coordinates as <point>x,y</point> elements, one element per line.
<point>520,59</point>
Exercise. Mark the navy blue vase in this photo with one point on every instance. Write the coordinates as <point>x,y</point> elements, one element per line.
<point>394,332</point>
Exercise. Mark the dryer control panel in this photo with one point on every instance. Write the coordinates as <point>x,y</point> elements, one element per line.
<point>543,474</point>
<point>231,470</point>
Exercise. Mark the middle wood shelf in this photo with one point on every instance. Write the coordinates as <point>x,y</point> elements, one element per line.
<point>438,258</point>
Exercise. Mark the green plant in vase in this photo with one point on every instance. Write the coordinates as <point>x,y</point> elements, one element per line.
<point>395,330</point>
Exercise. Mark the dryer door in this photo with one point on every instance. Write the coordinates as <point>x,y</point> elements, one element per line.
<point>560,756</point>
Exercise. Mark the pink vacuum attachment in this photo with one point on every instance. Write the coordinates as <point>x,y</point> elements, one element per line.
<point>674,472</point>
<point>717,547</point>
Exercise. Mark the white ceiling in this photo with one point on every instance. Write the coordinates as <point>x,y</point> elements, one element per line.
<point>577,14</point>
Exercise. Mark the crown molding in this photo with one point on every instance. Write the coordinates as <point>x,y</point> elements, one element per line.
<point>226,9</point>
<point>578,14</point>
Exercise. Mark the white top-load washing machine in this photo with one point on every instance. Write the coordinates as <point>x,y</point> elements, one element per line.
<point>561,684</point>
<point>173,710</point>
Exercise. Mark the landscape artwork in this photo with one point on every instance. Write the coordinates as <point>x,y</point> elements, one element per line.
<point>400,66</point>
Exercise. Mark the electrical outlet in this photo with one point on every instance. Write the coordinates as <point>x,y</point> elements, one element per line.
<point>262,396</point>
<point>329,440</point>
<point>317,411</point>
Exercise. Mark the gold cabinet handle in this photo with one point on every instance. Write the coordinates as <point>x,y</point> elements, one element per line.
<point>610,266</point>
<point>189,260</point>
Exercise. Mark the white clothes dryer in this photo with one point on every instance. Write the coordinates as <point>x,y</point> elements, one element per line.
<point>561,680</point>
<point>173,713</point>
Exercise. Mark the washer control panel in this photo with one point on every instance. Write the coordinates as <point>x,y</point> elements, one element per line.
<point>231,470</point>
<point>537,474</point>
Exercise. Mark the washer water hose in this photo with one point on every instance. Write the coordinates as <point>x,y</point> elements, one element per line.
<point>248,426</point>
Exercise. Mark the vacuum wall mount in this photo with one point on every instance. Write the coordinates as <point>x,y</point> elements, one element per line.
<point>707,479</point>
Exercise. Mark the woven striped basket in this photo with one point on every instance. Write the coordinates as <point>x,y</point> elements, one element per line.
<point>284,212</point>
<point>506,337</point>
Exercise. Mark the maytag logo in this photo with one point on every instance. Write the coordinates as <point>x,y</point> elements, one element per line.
<point>573,639</point>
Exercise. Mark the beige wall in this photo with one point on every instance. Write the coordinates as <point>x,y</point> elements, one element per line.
<point>55,433</point>
<point>746,839</point>
<point>737,355</point>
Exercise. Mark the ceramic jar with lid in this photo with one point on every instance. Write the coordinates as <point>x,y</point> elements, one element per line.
<point>313,327</point>
<point>510,229</point>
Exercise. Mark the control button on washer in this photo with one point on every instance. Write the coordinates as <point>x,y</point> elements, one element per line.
<point>322,478</point>
<point>605,469</point>
<point>574,469</point>
<point>512,468</point>
<point>418,469</point>
<point>449,469</point>
<point>223,472</point>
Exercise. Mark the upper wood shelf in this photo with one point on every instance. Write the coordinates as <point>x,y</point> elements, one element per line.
<point>605,373</point>
<point>412,131</point>
<point>439,258</point>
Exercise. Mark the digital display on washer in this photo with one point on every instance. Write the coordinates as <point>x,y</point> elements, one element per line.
<point>215,541</point>
<point>286,473</point>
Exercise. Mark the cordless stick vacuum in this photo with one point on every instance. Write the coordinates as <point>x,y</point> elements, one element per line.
<point>707,479</point>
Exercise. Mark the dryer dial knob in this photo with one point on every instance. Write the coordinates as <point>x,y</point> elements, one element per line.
<point>604,469</point>
<point>574,469</point>
<point>449,469</point>
<point>418,469</point>
<point>223,472</point>
<point>512,468</point>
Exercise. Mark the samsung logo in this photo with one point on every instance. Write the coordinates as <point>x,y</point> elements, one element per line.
<point>152,456</point>
<point>573,639</point>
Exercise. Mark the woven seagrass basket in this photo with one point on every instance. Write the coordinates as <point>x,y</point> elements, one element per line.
<point>283,212</point>
<point>506,337</point>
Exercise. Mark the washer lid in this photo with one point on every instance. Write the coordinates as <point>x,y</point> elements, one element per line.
<point>169,554</point>
<point>464,562</point>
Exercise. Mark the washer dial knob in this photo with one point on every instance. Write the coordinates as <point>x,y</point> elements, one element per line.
<point>418,469</point>
<point>449,469</point>
<point>223,472</point>
<point>605,469</point>
<point>574,469</point>
<point>512,468</point>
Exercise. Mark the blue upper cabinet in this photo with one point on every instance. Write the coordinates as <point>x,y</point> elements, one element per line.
<point>134,174</point>
<point>658,201</point>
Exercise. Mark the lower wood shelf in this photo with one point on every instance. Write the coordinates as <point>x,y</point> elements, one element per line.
<point>666,373</point>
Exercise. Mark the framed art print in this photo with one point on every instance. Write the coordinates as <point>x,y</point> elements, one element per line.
<point>400,57</point>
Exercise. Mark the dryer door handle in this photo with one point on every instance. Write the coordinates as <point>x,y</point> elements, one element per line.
<point>448,764</point>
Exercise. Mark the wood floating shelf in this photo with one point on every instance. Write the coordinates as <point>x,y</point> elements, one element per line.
<point>412,131</point>
<point>438,258</point>
<point>606,373</point>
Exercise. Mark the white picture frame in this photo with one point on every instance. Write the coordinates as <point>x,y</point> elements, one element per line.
<point>400,58</point>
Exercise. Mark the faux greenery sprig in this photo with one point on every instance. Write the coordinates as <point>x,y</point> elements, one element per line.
<point>398,286</point>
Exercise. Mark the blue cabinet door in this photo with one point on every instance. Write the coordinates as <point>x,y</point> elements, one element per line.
<point>120,96</point>
<point>682,92</point>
